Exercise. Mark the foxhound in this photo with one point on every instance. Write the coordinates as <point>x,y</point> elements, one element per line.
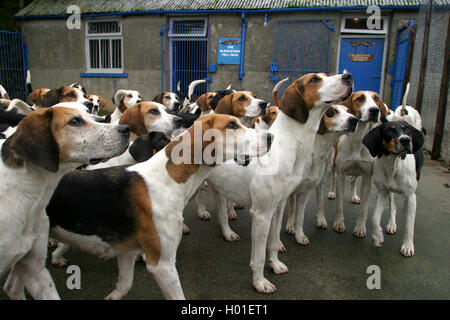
<point>98,103</point>
<point>123,99</point>
<point>43,98</point>
<point>147,116</point>
<point>127,211</point>
<point>168,99</point>
<point>336,122</point>
<point>396,146</point>
<point>47,144</point>
<point>353,159</point>
<point>268,181</point>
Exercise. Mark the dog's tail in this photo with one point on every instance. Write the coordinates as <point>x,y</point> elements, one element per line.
<point>192,86</point>
<point>405,97</point>
<point>275,91</point>
<point>20,105</point>
<point>29,87</point>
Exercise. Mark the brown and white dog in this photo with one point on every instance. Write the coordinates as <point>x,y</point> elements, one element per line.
<point>336,122</point>
<point>268,181</point>
<point>128,211</point>
<point>353,159</point>
<point>123,99</point>
<point>43,98</point>
<point>98,103</point>
<point>168,99</point>
<point>47,144</point>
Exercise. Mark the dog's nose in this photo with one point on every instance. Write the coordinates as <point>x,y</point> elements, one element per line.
<point>353,121</point>
<point>347,78</point>
<point>374,111</point>
<point>138,100</point>
<point>405,141</point>
<point>269,138</point>
<point>124,129</point>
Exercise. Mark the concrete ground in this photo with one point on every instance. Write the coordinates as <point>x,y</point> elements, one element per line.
<point>333,266</point>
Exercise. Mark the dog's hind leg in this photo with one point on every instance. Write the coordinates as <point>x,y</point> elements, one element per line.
<point>126,273</point>
<point>222,217</point>
<point>355,197</point>
<point>58,259</point>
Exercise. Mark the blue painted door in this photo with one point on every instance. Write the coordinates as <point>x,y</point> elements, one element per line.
<point>363,57</point>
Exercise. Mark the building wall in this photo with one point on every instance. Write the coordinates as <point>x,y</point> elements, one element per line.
<point>433,75</point>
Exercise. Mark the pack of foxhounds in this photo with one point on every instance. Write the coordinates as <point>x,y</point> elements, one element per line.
<point>114,186</point>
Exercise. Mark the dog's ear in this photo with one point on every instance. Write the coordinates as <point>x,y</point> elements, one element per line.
<point>34,142</point>
<point>292,103</point>
<point>417,137</point>
<point>132,116</point>
<point>225,105</point>
<point>373,142</point>
<point>101,103</point>
<point>52,97</point>
<point>141,149</point>
<point>158,98</point>
<point>322,128</point>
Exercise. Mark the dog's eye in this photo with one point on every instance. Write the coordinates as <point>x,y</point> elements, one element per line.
<point>376,99</point>
<point>154,112</point>
<point>242,98</point>
<point>232,125</point>
<point>129,96</point>
<point>314,79</point>
<point>330,112</point>
<point>76,122</point>
<point>360,99</point>
<point>167,97</point>
<point>71,94</point>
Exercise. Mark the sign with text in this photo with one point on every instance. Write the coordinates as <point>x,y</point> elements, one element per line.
<point>360,57</point>
<point>229,51</point>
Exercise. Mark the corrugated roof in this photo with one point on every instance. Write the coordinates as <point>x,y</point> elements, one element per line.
<point>59,7</point>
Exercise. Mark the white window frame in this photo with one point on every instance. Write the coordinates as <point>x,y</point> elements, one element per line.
<point>104,36</point>
<point>171,34</point>
<point>365,31</point>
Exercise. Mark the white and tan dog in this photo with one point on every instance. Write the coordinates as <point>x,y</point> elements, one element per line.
<point>268,181</point>
<point>140,208</point>
<point>123,99</point>
<point>47,144</point>
<point>336,122</point>
<point>353,159</point>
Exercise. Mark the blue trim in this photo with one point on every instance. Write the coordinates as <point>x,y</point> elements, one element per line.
<point>164,12</point>
<point>104,75</point>
<point>241,65</point>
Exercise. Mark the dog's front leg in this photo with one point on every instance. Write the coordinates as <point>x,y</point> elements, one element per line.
<point>222,217</point>
<point>377,235</point>
<point>408,238</point>
<point>339,225</point>
<point>391,227</point>
<point>320,197</point>
<point>360,228</point>
<point>302,200</point>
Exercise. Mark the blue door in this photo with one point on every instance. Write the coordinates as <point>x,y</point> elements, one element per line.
<point>363,57</point>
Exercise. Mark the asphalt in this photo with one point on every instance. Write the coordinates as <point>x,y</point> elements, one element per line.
<point>332,266</point>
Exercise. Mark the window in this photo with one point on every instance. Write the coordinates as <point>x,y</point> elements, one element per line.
<point>104,46</point>
<point>188,28</point>
<point>358,24</point>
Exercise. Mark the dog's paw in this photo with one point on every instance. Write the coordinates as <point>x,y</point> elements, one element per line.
<point>232,215</point>
<point>290,230</point>
<point>52,243</point>
<point>186,229</point>
<point>331,195</point>
<point>204,215</point>
<point>281,247</point>
<point>339,227</point>
<point>360,230</point>
<point>322,223</point>
<point>264,286</point>
<point>302,239</point>
<point>391,228</point>
<point>231,236</point>
<point>378,239</point>
<point>278,267</point>
<point>238,206</point>
<point>356,199</point>
<point>407,249</point>
<point>59,262</point>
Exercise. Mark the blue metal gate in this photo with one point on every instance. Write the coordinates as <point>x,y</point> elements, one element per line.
<point>300,46</point>
<point>13,64</point>
<point>185,56</point>
<point>404,35</point>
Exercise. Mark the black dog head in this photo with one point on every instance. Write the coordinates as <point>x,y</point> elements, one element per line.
<point>147,145</point>
<point>393,138</point>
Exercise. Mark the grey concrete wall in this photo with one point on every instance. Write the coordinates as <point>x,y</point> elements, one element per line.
<point>433,75</point>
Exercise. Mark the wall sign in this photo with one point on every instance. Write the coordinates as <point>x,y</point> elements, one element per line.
<point>360,57</point>
<point>229,51</point>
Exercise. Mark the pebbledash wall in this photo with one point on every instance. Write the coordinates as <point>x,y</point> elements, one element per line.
<point>57,55</point>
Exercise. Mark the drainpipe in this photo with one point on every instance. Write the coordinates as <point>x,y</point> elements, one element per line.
<point>241,67</point>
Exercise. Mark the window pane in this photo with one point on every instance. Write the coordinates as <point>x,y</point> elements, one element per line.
<point>103,27</point>
<point>105,53</point>
<point>93,54</point>
<point>359,23</point>
<point>117,53</point>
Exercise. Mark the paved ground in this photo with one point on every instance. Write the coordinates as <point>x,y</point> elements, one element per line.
<point>333,266</point>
